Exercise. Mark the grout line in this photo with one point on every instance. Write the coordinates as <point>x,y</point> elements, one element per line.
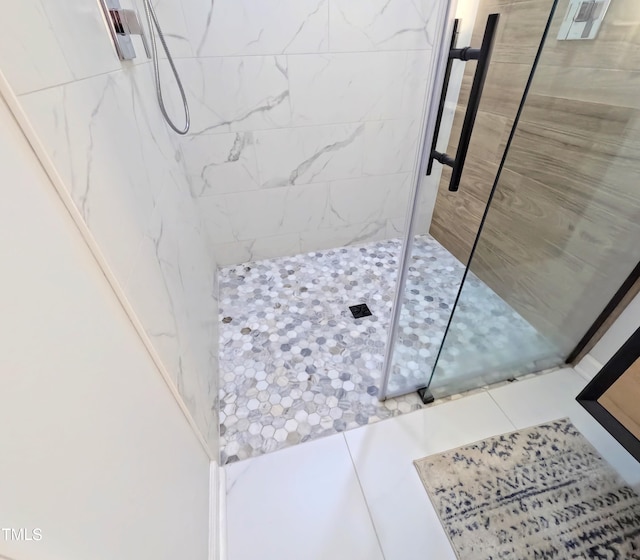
<point>129,65</point>
<point>501,409</point>
<point>297,186</point>
<point>309,53</point>
<point>298,126</point>
<point>122,68</point>
<point>364,496</point>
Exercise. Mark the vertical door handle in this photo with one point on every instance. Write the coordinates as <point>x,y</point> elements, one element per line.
<point>443,95</point>
<point>483,56</point>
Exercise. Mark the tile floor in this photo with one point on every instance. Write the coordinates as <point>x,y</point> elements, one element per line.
<point>297,366</point>
<point>357,496</point>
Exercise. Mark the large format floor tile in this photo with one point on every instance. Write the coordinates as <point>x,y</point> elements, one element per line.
<point>358,496</point>
<point>383,453</point>
<point>302,503</point>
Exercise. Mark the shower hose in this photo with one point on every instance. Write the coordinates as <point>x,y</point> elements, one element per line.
<point>154,26</point>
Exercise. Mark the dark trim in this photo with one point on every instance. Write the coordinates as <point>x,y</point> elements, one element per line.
<point>609,374</point>
<point>483,56</point>
<point>425,395</point>
<point>606,313</point>
<point>443,95</point>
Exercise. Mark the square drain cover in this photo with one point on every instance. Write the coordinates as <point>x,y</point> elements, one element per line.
<point>360,310</point>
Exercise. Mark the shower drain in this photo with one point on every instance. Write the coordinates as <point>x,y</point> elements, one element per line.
<point>359,311</point>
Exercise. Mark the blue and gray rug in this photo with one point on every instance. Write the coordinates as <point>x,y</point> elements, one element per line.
<point>542,493</point>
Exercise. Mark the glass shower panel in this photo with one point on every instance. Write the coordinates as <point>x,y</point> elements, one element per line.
<point>562,229</point>
<point>445,223</point>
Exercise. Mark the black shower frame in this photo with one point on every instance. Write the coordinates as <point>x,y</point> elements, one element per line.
<point>609,374</point>
<point>615,301</point>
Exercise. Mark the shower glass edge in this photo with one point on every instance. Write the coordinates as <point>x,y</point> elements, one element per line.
<point>445,24</point>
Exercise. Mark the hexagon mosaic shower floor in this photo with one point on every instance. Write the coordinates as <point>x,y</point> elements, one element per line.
<point>297,366</point>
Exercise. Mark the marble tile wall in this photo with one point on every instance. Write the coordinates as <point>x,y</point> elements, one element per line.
<point>98,119</point>
<point>307,115</point>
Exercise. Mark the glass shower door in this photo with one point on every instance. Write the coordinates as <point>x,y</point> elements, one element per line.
<point>561,232</point>
<point>477,108</point>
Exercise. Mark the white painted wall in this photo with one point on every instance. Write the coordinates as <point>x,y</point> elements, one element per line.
<point>617,335</point>
<point>95,451</point>
<point>99,123</point>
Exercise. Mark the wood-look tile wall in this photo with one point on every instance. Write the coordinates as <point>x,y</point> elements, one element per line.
<point>563,230</point>
<point>622,398</point>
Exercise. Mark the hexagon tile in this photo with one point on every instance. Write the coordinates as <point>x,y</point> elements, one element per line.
<point>294,362</point>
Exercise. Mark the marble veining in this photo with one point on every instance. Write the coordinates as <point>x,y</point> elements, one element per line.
<point>381,24</point>
<point>250,71</point>
<point>221,163</point>
<point>294,363</point>
<point>240,27</point>
<point>315,92</point>
<point>309,154</point>
<point>124,173</point>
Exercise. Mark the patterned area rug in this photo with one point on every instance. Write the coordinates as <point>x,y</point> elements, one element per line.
<point>540,493</point>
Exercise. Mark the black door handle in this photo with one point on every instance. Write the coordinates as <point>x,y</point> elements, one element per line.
<point>483,56</point>
<point>443,95</point>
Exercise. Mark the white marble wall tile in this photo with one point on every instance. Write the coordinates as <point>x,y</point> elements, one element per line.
<point>252,215</point>
<point>22,44</point>
<point>239,27</point>
<point>271,247</point>
<point>172,290</point>
<point>390,146</point>
<point>148,291</point>
<point>295,156</point>
<point>427,200</point>
<point>187,272</point>
<point>315,117</point>
<point>382,25</point>
<point>258,249</point>
<point>221,163</point>
<point>185,247</point>
<point>366,200</point>
<point>235,94</point>
<point>191,282</point>
<point>418,75</point>
<point>355,87</point>
<point>93,130</point>
<point>218,219</point>
<point>81,32</point>
<point>172,18</point>
<point>305,207</point>
<point>124,174</point>
<point>40,44</point>
<point>316,240</point>
<point>236,253</point>
<point>308,240</point>
<point>396,227</point>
